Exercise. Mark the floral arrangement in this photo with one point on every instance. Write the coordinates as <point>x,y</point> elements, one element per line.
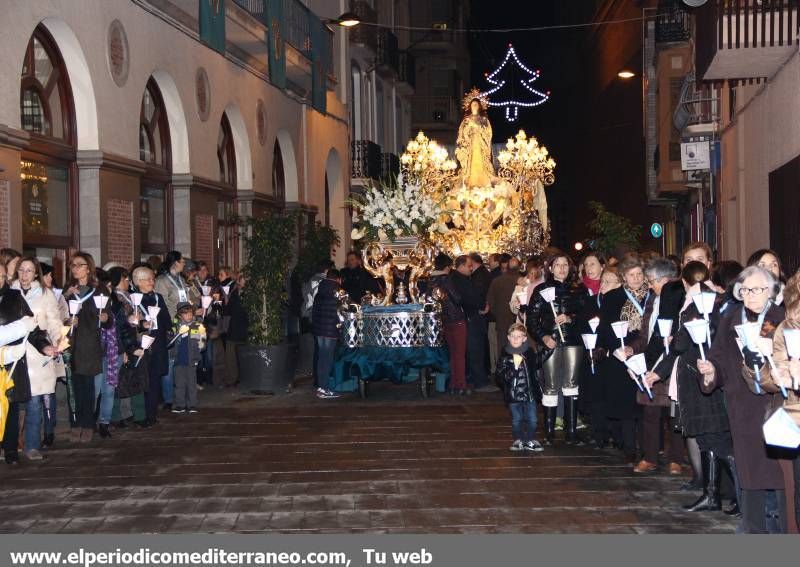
<point>387,212</point>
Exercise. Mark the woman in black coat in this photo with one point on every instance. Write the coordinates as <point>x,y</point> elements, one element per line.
<point>87,352</point>
<point>558,329</point>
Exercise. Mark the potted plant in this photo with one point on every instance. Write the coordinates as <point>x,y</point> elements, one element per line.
<point>263,362</point>
<point>318,245</point>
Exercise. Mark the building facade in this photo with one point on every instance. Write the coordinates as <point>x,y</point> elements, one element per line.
<point>132,127</point>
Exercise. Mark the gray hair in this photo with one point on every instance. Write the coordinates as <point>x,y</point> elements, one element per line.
<point>772,282</point>
<point>629,264</point>
<point>658,268</point>
<point>140,273</point>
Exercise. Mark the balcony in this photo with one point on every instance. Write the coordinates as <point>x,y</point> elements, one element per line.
<point>407,72</point>
<point>390,167</point>
<point>387,54</point>
<point>365,35</point>
<point>744,39</point>
<point>697,111</point>
<point>673,22</point>
<point>367,160</point>
<point>427,111</point>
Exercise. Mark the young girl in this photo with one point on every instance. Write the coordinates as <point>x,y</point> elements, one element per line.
<point>517,366</point>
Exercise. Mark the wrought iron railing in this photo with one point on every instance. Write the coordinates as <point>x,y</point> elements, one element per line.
<point>673,22</point>
<point>295,16</point>
<point>364,34</point>
<point>366,160</point>
<point>390,167</point>
<point>387,51</point>
<point>407,72</point>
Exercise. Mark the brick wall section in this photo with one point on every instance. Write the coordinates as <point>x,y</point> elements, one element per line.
<point>120,237</point>
<point>204,238</point>
<point>5,214</point>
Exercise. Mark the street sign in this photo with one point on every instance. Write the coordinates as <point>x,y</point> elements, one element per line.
<point>656,230</point>
<point>695,156</point>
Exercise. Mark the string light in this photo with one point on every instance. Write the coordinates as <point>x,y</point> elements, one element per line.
<point>512,106</point>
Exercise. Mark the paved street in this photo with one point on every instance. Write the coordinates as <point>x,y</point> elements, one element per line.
<point>392,463</point>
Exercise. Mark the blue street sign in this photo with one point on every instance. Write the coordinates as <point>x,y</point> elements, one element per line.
<point>656,230</point>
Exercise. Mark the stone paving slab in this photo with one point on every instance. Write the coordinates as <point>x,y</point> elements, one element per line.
<point>391,464</point>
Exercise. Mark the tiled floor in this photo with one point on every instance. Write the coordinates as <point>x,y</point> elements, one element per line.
<point>392,463</point>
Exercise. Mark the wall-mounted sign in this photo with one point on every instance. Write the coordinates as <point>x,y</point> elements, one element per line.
<point>695,155</point>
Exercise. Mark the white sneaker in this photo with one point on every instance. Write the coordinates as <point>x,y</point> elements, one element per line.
<point>324,394</point>
<point>518,445</point>
<point>534,446</point>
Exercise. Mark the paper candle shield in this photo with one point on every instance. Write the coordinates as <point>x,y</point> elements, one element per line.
<point>136,299</point>
<point>698,330</point>
<point>58,293</point>
<point>637,364</point>
<point>792,338</point>
<point>705,302</point>
<point>751,333</point>
<point>100,301</point>
<point>780,430</point>
<point>548,294</point>
<point>74,306</point>
<point>227,289</point>
<point>206,301</point>
<point>522,296</point>
<point>589,340</point>
<point>620,329</point>
<point>594,322</point>
<point>152,312</point>
<point>765,346</point>
<point>206,289</point>
<point>147,341</point>
<point>664,327</point>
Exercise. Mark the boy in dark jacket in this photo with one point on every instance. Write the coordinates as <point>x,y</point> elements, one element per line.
<point>517,366</point>
<point>325,328</point>
<point>189,342</point>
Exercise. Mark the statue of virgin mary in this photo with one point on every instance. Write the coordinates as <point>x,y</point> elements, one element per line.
<point>474,142</point>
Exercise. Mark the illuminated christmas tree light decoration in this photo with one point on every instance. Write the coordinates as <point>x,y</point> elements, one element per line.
<point>503,79</point>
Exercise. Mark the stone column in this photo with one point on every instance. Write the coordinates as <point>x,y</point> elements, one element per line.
<point>181,212</point>
<point>89,217</point>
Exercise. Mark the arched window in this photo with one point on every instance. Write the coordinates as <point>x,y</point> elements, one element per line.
<point>355,107</point>
<point>47,169</point>
<point>227,228</point>
<point>226,154</point>
<point>278,174</point>
<point>154,151</point>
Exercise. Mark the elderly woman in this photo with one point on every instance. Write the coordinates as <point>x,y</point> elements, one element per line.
<point>758,472</point>
<point>769,260</point>
<point>626,303</point>
<point>158,327</point>
<point>557,327</point>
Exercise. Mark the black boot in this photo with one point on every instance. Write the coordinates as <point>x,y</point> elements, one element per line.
<point>49,439</point>
<point>102,428</point>
<point>549,425</point>
<point>571,420</point>
<point>710,498</point>
<point>730,464</point>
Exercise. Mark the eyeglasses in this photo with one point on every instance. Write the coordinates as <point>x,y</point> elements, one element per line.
<point>78,265</point>
<point>752,290</point>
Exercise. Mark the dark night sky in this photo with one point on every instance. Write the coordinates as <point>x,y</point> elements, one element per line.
<point>563,123</point>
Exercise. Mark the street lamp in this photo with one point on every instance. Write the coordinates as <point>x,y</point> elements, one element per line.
<point>346,20</point>
<point>625,74</point>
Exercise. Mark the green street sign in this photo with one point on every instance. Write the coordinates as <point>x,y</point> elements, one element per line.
<point>656,230</point>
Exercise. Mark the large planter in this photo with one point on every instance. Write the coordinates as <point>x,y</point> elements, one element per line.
<point>265,369</point>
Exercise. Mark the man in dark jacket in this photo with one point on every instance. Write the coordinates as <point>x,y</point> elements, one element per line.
<point>356,281</point>
<point>478,325</point>
<point>455,323</point>
<point>325,328</point>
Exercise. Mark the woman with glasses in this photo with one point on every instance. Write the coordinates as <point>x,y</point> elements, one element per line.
<point>87,350</point>
<point>769,260</point>
<point>41,369</point>
<point>759,473</point>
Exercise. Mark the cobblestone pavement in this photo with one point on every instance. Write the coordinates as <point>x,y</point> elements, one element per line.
<point>292,463</point>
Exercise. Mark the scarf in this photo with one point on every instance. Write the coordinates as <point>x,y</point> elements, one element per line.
<point>630,312</point>
<point>592,285</point>
<point>108,340</point>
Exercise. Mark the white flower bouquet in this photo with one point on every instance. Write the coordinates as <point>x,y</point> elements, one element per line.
<point>387,212</point>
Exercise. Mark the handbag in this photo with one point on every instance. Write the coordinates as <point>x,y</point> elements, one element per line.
<point>133,379</point>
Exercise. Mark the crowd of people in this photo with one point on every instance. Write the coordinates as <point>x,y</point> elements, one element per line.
<point>126,343</point>
<point>522,328</point>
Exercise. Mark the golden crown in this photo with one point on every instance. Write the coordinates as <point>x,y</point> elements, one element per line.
<point>473,94</point>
